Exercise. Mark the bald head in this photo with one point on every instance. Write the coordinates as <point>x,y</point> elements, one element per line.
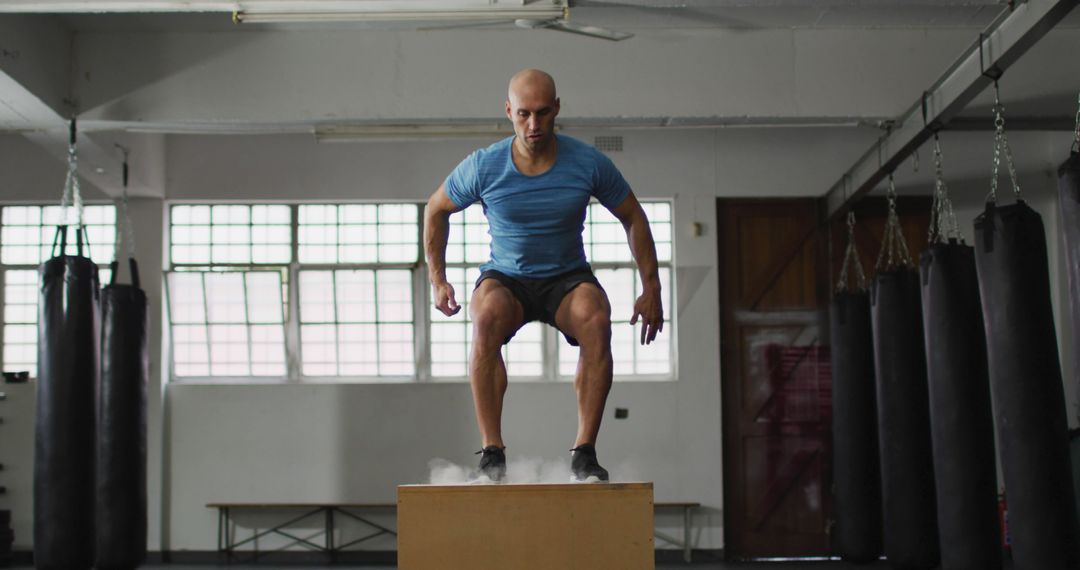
<point>531,104</point>
<point>532,82</point>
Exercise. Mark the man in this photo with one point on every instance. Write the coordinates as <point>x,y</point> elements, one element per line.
<point>535,187</point>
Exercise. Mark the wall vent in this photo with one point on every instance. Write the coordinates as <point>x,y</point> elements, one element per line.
<point>608,143</point>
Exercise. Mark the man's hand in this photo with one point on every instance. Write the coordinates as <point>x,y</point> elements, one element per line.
<point>649,307</point>
<point>444,298</point>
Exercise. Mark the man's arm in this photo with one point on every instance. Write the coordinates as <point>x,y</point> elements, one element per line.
<point>436,231</point>
<point>649,305</point>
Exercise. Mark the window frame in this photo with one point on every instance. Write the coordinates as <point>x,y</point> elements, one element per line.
<point>421,295</point>
<point>4,267</point>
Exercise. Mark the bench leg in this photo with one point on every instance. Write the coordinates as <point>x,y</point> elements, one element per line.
<point>686,534</point>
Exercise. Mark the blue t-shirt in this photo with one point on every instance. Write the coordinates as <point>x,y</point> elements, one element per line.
<point>536,222</point>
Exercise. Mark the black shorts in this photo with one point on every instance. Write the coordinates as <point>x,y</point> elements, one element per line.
<point>540,298</point>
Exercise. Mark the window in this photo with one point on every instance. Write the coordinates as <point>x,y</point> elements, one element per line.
<point>360,301</point>
<point>227,291</point>
<point>606,248</point>
<point>26,240</point>
<point>227,323</point>
<point>467,247</point>
<point>357,323</point>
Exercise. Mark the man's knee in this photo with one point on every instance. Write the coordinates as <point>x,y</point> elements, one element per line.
<point>594,331</point>
<point>496,314</point>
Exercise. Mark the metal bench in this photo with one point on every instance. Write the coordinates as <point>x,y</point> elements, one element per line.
<point>331,511</point>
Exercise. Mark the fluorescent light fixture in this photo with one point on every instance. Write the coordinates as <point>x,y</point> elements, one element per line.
<point>361,133</point>
<point>358,13</point>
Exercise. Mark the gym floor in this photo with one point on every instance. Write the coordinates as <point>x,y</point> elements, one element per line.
<point>700,566</point>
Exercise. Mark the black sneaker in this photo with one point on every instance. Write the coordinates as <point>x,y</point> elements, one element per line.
<point>493,462</point>
<point>584,464</point>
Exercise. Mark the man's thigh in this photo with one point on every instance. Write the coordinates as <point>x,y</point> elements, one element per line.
<point>583,302</point>
<point>495,304</point>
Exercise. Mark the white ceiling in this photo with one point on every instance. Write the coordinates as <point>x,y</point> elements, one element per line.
<point>156,90</point>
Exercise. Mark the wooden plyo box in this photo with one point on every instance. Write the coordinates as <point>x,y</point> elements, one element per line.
<point>586,526</point>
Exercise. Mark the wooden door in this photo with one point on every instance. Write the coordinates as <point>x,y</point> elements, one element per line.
<point>775,378</point>
<point>776,261</point>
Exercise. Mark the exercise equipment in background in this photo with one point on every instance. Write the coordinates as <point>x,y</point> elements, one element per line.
<point>965,470</point>
<point>907,468</point>
<point>1025,374</point>
<point>1069,201</point>
<point>856,536</point>
<point>121,459</point>
<point>69,339</point>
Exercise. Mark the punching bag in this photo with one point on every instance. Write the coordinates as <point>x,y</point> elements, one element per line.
<point>965,469</point>
<point>1025,378</point>
<point>856,468</point>
<point>907,470</point>
<point>1069,200</point>
<point>121,467</point>
<point>856,536</point>
<point>69,345</point>
<point>961,420</point>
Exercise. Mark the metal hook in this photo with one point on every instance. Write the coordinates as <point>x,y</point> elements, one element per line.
<point>124,151</point>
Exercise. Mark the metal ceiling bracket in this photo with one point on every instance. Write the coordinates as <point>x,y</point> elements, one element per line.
<point>1011,34</point>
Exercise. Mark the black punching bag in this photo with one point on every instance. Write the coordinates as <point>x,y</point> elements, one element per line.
<point>1069,200</point>
<point>1025,377</point>
<point>69,345</point>
<point>121,471</point>
<point>963,429</point>
<point>856,468</point>
<point>907,470</point>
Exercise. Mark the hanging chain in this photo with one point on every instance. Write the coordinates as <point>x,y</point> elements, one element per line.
<point>1001,145</point>
<point>1076,139</point>
<point>852,254</point>
<point>126,235</point>
<point>943,224</point>
<point>72,193</point>
<point>894,252</point>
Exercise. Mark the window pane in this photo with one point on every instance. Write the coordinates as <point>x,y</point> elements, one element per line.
<point>230,234</point>
<point>359,233</point>
<point>369,322</point>
<point>524,356</point>
<point>29,231</point>
<point>619,285</point>
<point>264,297</point>
<point>20,321</point>
<point>317,297</point>
<point>227,323</point>
<point>229,354</point>
<point>468,241</point>
<point>319,348</point>
<point>451,336</point>
<point>186,302</point>
<point>225,297</point>
<point>623,286</point>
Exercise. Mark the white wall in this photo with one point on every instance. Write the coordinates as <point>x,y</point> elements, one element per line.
<point>357,442</point>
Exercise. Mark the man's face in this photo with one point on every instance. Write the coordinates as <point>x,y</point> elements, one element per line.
<point>533,108</point>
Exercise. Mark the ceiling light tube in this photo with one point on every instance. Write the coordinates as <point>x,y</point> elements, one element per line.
<point>359,133</point>
<point>464,13</point>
